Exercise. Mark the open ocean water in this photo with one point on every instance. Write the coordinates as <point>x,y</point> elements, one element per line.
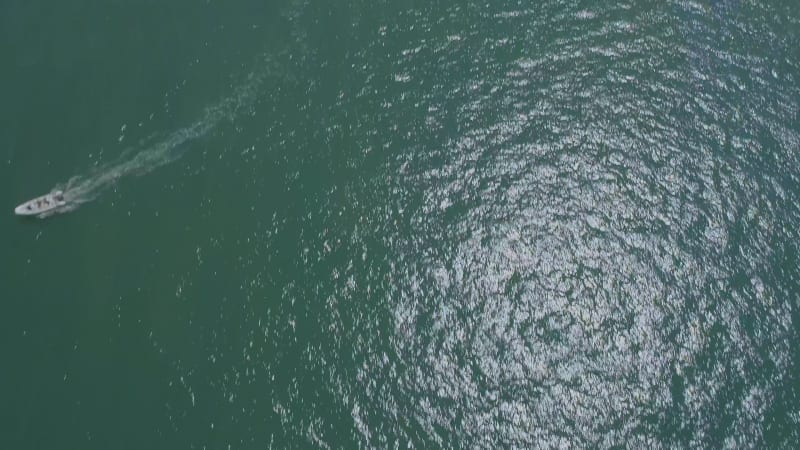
<point>306,224</point>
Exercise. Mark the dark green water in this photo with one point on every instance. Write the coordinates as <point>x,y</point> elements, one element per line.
<point>401,224</point>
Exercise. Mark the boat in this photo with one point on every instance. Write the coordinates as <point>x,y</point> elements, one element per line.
<point>41,205</point>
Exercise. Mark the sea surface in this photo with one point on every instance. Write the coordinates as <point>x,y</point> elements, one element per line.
<point>400,224</point>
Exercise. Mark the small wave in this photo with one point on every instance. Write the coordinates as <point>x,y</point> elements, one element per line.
<point>151,155</point>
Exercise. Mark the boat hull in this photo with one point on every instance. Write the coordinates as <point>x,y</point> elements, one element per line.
<point>41,205</point>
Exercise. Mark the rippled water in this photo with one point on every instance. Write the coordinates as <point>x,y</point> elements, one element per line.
<point>590,221</point>
<point>473,225</point>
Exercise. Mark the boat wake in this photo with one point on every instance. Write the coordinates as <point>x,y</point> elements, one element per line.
<point>154,153</point>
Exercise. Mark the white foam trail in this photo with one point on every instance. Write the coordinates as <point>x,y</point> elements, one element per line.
<point>139,161</point>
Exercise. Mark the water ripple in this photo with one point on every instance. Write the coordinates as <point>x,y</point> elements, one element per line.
<point>586,231</point>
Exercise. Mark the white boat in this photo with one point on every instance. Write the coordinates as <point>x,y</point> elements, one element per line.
<point>43,204</point>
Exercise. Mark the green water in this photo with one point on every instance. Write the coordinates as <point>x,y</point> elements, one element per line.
<point>400,224</point>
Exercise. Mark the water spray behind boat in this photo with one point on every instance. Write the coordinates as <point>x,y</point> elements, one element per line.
<point>152,153</point>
